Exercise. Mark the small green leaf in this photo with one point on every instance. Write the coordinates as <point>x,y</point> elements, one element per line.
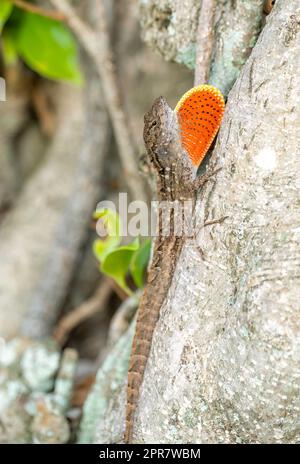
<point>5,10</point>
<point>116,264</point>
<point>9,48</point>
<point>139,263</point>
<point>48,47</point>
<point>112,224</point>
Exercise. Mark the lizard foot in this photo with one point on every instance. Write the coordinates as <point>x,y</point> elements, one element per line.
<point>208,223</point>
<point>215,221</point>
<point>201,180</point>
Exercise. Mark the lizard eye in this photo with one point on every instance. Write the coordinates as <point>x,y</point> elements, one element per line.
<point>153,124</point>
<point>268,6</point>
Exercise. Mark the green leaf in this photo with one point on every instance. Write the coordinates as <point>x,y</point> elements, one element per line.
<point>139,263</point>
<point>48,47</point>
<point>112,224</point>
<point>9,47</point>
<point>5,10</point>
<point>116,264</point>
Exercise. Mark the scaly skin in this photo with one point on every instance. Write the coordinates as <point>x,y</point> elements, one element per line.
<point>164,148</point>
<point>174,160</point>
<point>159,280</point>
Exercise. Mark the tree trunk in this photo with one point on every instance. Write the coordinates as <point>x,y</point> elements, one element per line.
<point>224,363</point>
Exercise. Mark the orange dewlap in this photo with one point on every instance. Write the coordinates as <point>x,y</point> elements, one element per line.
<point>200,113</point>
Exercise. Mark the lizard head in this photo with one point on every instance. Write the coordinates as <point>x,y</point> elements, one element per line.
<point>193,125</point>
<point>177,141</point>
<point>160,122</point>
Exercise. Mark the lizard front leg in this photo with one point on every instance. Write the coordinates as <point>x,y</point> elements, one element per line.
<point>203,178</point>
<point>176,143</point>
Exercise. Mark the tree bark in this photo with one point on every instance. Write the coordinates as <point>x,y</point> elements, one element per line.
<point>178,30</point>
<point>72,231</point>
<point>27,231</point>
<point>224,363</point>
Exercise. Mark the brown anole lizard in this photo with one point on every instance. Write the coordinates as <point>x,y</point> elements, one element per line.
<point>177,180</point>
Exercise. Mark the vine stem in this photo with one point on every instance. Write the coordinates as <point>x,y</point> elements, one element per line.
<point>23,5</point>
<point>205,41</point>
<point>97,45</point>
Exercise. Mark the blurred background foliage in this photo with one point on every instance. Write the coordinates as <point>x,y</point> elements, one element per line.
<point>44,44</point>
<point>59,157</point>
<point>78,83</point>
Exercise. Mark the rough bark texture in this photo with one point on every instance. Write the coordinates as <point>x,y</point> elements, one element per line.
<point>225,360</point>
<point>170,27</point>
<point>224,364</point>
<point>237,25</point>
<point>108,396</point>
<point>72,230</point>
<point>27,231</point>
<point>36,385</point>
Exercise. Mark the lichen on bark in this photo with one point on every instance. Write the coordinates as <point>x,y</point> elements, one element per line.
<point>102,421</point>
<point>224,364</point>
<point>170,27</point>
<point>36,385</point>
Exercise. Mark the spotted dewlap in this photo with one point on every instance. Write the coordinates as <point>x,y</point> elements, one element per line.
<point>200,113</point>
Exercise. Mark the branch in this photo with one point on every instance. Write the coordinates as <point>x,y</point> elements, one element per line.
<point>73,230</point>
<point>119,324</point>
<point>95,304</point>
<point>240,329</point>
<point>122,318</point>
<point>57,15</point>
<point>107,395</point>
<point>97,45</point>
<point>205,41</point>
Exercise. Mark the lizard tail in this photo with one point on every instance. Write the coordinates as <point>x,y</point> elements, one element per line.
<point>159,280</point>
<point>132,398</point>
<point>138,360</point>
